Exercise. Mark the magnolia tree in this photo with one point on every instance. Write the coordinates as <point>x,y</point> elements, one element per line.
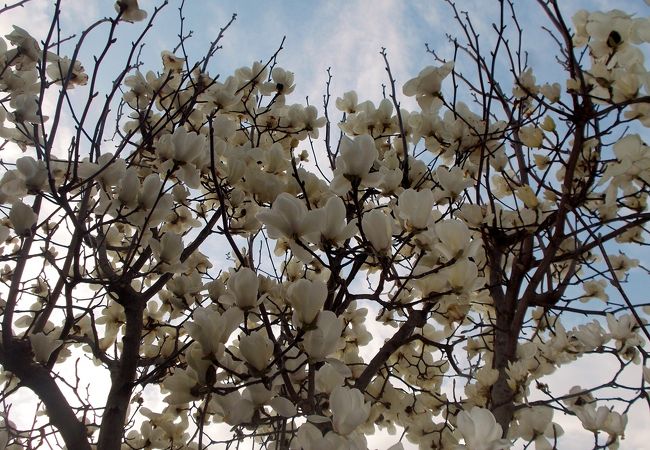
<point>217,254</point>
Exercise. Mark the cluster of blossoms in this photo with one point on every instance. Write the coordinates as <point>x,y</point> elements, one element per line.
<point>467,255</point>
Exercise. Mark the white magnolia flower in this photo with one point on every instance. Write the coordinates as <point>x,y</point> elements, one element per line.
<point>535,424</point>
<point>615,423</point>
<point>27,51</point>
<point>377,227</point>
<point>348,103</point>
<point>242,288</point>
<point>623,327</point>
<point>595,289</point>
<point>26,108</point>
<point>591,335</point>
<point>186,152</point>
<point>330,377</point>
<point>169,249</point>
<point>632,163</point>
<point>234,408</point>
<point>282,82</point>
<point>531,136</point>
<point>171,62</point>
<point>34,172</point>
<point>283,406</point>
<point>180,386</point>
<point>427,86</point>
<point>592,419</point>
<point>455,239</point>
<point>289,218</point>
<point>22,218</point>
<point>358,155</point>
<point>212,329</point>
<point>348,409</point>
<point>415,208</point>
<point>324,340</point>
<point>109,170</point>
<point>43,345</point>
<point>525,84</point>
<point>354,163</point>
<point>258,394</point>
<point>480,430</point>
<point>527,195</point>
<point>256,348</point>
<point>62,68</point>
<point>462,276</point>
<point>452,181</point>
<point>310,437</point>
<point>130,10</point>
<point>307,298</point>
<point>333,227</point>
<point>552,92</point>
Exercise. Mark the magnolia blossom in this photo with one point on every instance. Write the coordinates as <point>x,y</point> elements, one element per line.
<point>591,335</point>
<point>43,345</point>
<point>427,86</point>
<point>632,163</point>
<point>307,298</point>
<point>22,218</point>
<point>526,195</point>
<point>34,173</point>
<point>421,220</point>
<point>130,11</point>
<point>256,348</point>
<point>212,329</point>
<point>535,424</point>
<point>168,251</point>
<point>525,84</point>
<point>452,181</point>
<point>289,218</point>
<point>348,409</point>
<point>181,385</point>
<point>26,108</point>
<point>171,62</point>
<point>243,288</point>
<point>333,227</point>
<point>282,83</point>
<point>234,409</point>
<point>592,419</point>
<point>27,51</point>
<point>462,276</point>
<point>354,163</point>
<point>65,69</point>
<point>595,289</point>
<point>310,437</point>
<point>415,208</point>
<point>531,136</point>
<point>623,330</point>
<point>323,341</point>
<point>348,103</point>
<point>377,227</point>
<point>283,406</point>
<point>455,239</point>
<point>480,430</point>
<point>331,376</point>
<point>185,149</point>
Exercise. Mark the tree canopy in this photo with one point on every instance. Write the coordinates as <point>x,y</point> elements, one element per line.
<point>200,260</point>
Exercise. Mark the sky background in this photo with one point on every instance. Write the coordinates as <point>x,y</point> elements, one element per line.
<point>347,37</point>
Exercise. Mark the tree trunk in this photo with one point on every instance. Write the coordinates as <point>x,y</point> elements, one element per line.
<point>111,431</point>
<point>16,358</point>
<point>502,397</point>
